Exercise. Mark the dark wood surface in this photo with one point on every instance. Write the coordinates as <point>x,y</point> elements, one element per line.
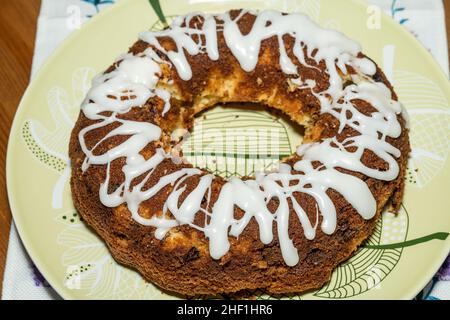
<point>17,34</point>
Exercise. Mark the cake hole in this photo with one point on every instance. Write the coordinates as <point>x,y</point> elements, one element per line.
<point>240,139</point>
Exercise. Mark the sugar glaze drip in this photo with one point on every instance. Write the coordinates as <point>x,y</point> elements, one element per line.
<point>136,78</point>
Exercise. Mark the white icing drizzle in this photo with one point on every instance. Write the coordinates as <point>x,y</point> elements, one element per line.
<point>135,80</point>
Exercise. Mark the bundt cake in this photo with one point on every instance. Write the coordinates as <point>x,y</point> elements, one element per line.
<point>283,231</point>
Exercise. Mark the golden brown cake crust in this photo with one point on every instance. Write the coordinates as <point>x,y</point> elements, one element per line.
<point>181,262</point>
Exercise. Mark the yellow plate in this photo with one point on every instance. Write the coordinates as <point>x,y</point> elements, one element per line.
<point>396,263</point>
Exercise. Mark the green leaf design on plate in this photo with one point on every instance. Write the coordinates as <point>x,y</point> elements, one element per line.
<point>232,141</point>
<point>159,25</point>
<point>413,242</point>
<point>367,268</point>
<point>158,10</point>
<point>39,152</point>
<point>261,295</point>
<point>249,295</point>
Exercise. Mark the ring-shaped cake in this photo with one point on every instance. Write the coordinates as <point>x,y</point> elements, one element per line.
<point>284,231</point>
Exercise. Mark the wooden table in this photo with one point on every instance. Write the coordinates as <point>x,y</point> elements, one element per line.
<point>17,33</point>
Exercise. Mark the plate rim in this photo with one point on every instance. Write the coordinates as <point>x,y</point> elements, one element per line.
<point>56,284</point>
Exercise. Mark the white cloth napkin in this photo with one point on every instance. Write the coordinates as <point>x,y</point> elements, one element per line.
<point>58,18</point>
